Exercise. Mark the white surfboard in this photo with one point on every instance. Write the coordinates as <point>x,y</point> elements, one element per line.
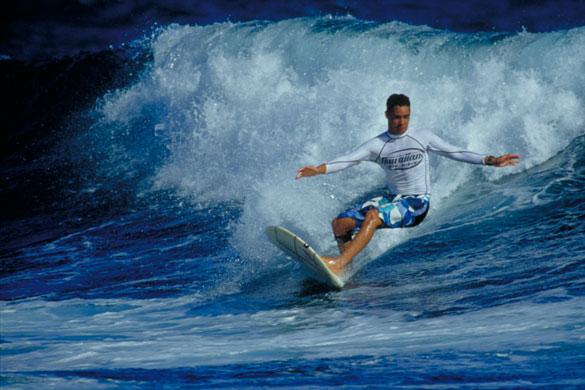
<point>302,252</point>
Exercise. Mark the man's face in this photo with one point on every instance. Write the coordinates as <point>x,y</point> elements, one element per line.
<point>398,118</point>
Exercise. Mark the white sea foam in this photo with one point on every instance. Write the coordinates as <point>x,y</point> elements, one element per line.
<point>110,334</point>
<point>243,106</point>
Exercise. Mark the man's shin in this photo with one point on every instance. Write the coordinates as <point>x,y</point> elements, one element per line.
<point>343,241</point>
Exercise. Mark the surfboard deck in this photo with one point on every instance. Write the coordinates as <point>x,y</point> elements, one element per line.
<point>302,252</point>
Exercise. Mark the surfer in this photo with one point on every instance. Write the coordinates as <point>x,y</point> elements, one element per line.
<point>403,154</point>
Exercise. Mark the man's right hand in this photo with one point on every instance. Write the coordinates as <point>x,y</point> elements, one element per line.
<point>311,170</point>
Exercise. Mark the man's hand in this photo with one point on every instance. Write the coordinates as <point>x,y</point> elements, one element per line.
<point>502,161</point>
<point>311,171</point>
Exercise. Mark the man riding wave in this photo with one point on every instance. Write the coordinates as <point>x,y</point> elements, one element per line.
<point>403,154</point>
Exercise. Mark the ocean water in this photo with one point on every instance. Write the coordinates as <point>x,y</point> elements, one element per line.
<point>133,250</point>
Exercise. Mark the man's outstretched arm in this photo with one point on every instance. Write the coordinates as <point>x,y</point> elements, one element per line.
<point>365,152</point>
<point>443,148</point>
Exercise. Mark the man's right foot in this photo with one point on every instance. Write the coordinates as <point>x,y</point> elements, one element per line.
<point>333,264</point>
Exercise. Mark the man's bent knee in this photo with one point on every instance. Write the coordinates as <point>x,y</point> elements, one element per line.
<point>342,225</point>
<point>373,218</point>
<point>342,228</point>
<point>335,225</point>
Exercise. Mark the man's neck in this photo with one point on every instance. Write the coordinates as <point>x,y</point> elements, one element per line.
<point>397,134</point>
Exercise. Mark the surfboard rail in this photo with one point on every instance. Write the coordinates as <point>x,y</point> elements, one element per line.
<point>299,250</point>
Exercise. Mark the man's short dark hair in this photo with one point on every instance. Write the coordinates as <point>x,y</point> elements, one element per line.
<point>397,99</point>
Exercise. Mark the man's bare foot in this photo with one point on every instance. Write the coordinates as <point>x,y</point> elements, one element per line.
<point>333,264</point>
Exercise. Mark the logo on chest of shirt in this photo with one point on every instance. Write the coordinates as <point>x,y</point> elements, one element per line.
<point>403,159</point>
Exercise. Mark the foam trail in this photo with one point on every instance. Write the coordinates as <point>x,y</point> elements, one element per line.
<point>241,106</point>
<point>154,334</point>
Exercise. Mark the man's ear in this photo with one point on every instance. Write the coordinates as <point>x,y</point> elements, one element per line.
<point>387,114</point>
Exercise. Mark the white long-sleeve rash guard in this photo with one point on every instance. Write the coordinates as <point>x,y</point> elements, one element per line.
<point>404,159</point>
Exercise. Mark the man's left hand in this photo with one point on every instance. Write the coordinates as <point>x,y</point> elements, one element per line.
<point>502,161</point>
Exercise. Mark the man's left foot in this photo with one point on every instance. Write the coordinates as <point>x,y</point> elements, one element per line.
<point>333,265</point>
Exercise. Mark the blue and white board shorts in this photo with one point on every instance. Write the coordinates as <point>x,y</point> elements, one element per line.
<point>395,211</point>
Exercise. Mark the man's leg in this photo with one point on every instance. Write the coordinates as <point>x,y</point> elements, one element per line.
<point>342,228</point>
<point>353,247</point>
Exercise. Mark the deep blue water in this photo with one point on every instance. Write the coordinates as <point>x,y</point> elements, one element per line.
<point>137,182</point>
<point>43,29</point>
